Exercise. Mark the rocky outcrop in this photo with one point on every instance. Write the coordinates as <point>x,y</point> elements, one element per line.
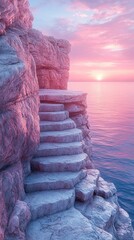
<point>51,58</point>
<point>19,103</point>
<point>51,55</point>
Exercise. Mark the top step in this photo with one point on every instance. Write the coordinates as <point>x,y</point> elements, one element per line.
<point>61,96</point>
<point>51,107</point>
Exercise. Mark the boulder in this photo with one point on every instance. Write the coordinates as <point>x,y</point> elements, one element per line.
<point>11,189</point>
<point>18,221</point>
<point>123,226</point>
<point>105,189</point>
<point>100,212</point>
<point>86,188</point>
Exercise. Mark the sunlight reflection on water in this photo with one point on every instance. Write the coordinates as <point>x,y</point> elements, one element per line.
<point>111,116</point>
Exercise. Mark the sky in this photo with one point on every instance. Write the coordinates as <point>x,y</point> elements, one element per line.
<point>101,33</point>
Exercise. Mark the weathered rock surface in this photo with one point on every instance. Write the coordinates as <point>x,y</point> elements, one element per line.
<point>70,135</point>
<point>51,58</point>
<point>18,221</point>
<point>100,212</point>
<point>86,188</point>
<point>105,189</point>
<point>63,163</point>
<point>61,96</point>
<point>56,126</point>
<point>45,203</point>
<point>54,116</point>
<point>123,226</point>
<point>11,189</point>
<point>106,214</point>
<point>51,181</point>
<point>68,225</point>
<point>14,13</point>
<point>56,149</point>
<point>46,107</point>
<point>19,103</point>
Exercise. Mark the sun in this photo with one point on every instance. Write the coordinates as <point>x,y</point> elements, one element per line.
<point>99,77</point>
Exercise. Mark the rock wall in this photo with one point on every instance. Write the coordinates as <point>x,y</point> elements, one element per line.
<point>52,60</point>
<point>19,122</point>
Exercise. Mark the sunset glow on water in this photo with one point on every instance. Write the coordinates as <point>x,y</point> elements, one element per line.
<point>111,116</point>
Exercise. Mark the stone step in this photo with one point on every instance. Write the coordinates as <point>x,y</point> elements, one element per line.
<point>49,202</point>
<point>60,163</point>
<point>51,181</point>
<point>66,225</point>
<point>86,188</point>
<point>61,96</point>
<point>100,212</point>
<point>57,126</point>
<point>105,189</point>
<point>51,107</point>
<point>56,149</point>
<point>71,135</point>
<point>53,116</point>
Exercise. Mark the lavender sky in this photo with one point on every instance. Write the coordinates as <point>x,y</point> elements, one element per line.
<point>101,33</point>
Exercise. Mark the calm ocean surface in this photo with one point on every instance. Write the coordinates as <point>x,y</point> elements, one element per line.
<point>111,116</point>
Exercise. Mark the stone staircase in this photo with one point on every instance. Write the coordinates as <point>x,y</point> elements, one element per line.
<point>59,181</point>
<point>58,165</point>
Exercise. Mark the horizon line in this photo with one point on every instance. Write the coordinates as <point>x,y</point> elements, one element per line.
<point>98,81</point>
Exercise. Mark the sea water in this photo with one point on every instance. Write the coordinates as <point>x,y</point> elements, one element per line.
<point>111,116</point>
